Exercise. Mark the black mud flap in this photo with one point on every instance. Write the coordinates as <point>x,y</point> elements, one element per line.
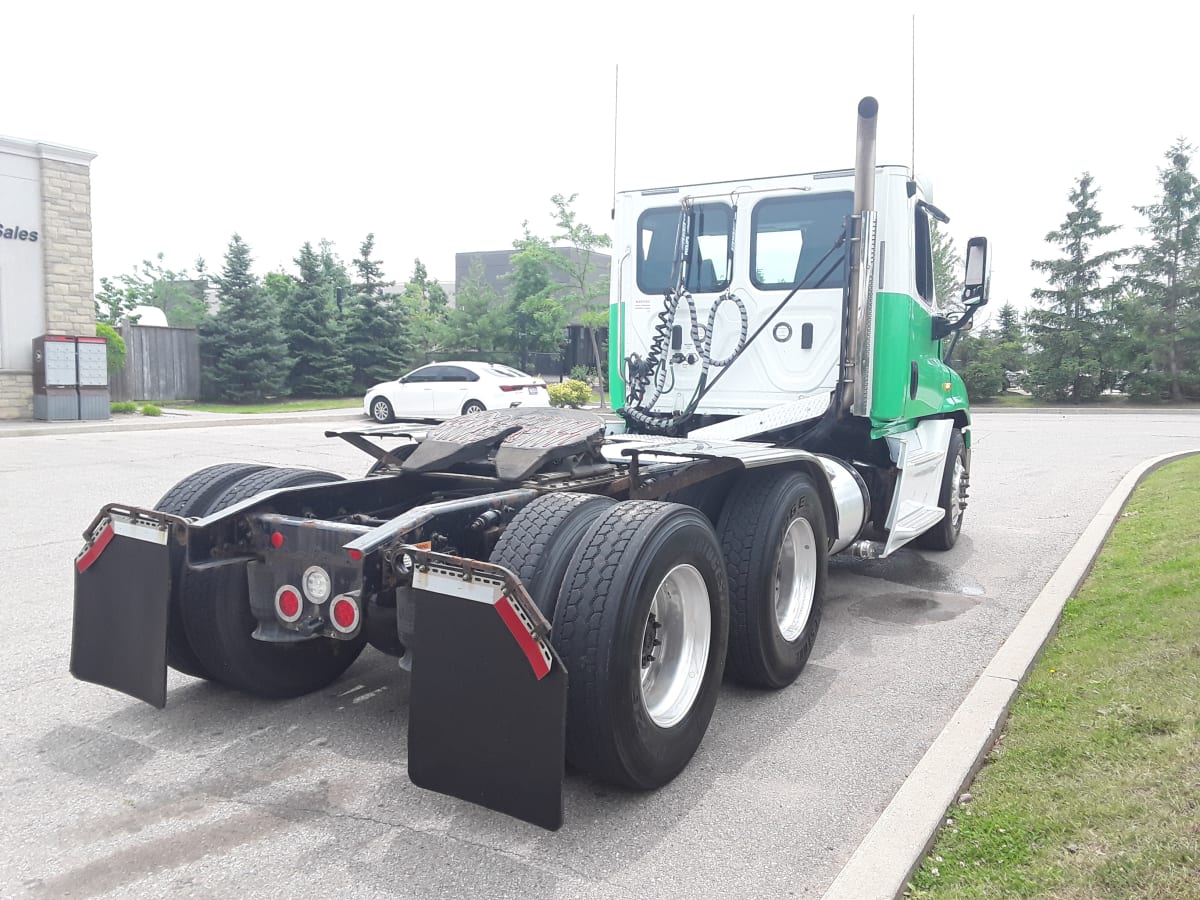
<point>122,595</point>
<point>487,708</point>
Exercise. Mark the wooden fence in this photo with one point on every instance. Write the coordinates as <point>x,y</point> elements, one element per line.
<point>161,364</point>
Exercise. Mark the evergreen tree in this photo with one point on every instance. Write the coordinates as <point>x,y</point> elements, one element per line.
<point>314,339</point>
<point>377,342</point>
<point>335,274</point>
<point>478,325</point>
<point>243,347</point>
<point>947,270</point>
<point>1165,281</point>
<point>1010,339</point>
<point>425,305</point>
<point>1068,363</point>
<point>977,359</point>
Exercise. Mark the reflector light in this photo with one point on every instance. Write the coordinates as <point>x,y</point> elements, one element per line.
<point>356,555</point>
<point>287,603</point>
<point>317,585</point>
<point>276,540</point>
<point>344,614</point>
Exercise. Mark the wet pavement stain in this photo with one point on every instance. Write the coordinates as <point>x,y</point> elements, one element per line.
<point>911,571</point>
<point>909,608</point>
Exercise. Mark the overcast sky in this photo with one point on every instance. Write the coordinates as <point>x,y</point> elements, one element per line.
<point>441,126</point>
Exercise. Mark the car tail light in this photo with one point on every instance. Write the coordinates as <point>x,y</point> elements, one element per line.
<point>511,387</point>
<point>344,614</point>
<point>287,604</point>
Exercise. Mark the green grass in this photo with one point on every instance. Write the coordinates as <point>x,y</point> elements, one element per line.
<point>282,407</point>
<point>1025,401</point>
<point>1093,790</point>
<point>123,406</point>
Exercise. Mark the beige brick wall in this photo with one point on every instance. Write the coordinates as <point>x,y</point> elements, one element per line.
<point>16,395</point>
<point>66,241</point>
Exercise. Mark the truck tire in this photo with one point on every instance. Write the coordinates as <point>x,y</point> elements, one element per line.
<point>637,710</point>
<point>776,552</point>
<point>215,605</point>
<point>944,534</point>
<point>192,497</point>
<point>539,542</point>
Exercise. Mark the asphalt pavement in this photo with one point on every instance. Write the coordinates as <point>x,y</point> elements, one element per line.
<point>224,795</point>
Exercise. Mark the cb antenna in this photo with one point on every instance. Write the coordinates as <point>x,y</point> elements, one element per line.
<point>914,96</point>
<point>616,102</point>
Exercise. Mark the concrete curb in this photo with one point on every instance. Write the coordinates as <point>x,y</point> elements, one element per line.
<point>980,408</point>
<point>885,860</point>
<point>178,419</point>
<point>168,420</point>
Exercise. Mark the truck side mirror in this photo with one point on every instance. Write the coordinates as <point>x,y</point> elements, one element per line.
<point>976,284</point>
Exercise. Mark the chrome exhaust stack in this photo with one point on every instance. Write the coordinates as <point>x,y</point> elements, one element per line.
<point>853,381</point>
<point>864,155</point>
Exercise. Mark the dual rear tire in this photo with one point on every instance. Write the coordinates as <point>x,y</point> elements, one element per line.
<point>651,606</point>
<point>210,623</point>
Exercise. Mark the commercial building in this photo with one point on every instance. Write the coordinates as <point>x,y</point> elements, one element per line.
<point>45,258</point>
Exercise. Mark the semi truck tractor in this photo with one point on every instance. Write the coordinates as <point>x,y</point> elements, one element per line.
<point>562,587</point>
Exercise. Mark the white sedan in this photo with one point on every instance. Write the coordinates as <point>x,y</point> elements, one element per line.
<point>444,390</point>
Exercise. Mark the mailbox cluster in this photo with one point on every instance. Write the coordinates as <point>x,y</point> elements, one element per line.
<point>70,378</point>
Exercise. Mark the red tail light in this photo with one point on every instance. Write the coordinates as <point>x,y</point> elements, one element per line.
<point>344,614</point>
<point>507,388</point>
<point>287,604</point>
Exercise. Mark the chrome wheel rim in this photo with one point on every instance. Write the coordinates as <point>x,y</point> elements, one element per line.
<point>795,578</point>
<point>956,480</point>
<point>674,645</point>
<point>380,411</point>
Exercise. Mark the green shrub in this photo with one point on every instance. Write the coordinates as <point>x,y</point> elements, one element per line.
<point>115,350</point>
<point>149,409</point>
<point>125,406</point>
<point>586,374</point>
<point>570,393</point>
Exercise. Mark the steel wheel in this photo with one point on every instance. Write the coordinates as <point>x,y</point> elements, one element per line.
<point>956,481</point>
<point>956,509</point>
<point>773,536</point>
<point>795,578</point>
<point>675,645</point>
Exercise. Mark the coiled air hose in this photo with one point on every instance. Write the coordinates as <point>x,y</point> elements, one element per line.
<point>654,368</point>
<point>640,373</point>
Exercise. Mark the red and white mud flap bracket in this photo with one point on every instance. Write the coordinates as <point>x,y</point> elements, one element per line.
<point>122,598</point>
<point>488,701</point>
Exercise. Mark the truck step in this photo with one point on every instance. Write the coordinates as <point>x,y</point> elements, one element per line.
<point>765,420</point>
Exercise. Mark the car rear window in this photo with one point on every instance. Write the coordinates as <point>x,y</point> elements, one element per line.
<point>507,372</point>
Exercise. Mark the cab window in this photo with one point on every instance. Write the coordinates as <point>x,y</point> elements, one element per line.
<point>792,241</point>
